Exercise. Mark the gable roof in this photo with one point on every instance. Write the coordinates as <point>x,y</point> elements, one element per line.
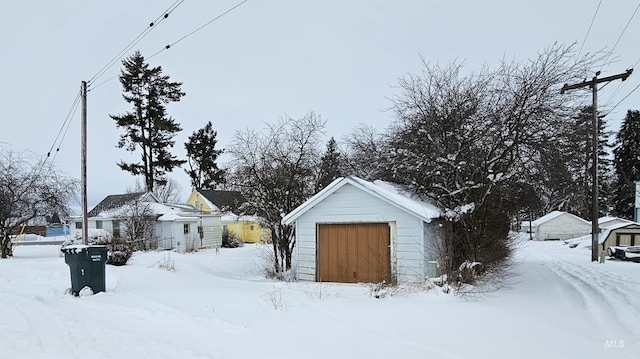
<point>173,212</point>
<point>605,233</point>
<point>197,195</point>
<point>118,200</point>
<point>608,219</point>
<point>553,215</point>
<point>386,191</point>
<point>112,205</point>
<point>224,200</point>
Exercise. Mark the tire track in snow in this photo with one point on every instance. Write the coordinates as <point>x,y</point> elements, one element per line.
<point>610,299</point>
<point>44,330</point>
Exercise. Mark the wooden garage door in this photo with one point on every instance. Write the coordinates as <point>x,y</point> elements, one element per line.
<point>353,253</point>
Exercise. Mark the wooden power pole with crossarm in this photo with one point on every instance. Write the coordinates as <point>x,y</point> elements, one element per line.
<point>593,83</point>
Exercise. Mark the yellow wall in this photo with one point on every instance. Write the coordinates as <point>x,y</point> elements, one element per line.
<point>248,231</point>
<point>194,198</point>
<point>245,230</point>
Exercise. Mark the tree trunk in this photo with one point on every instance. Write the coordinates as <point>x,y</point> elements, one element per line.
<point>4,243</point>
<point>276,260</point>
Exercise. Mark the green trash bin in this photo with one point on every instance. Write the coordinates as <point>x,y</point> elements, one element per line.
<point>87,265</point>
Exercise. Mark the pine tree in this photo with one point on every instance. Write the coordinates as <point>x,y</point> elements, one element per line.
<point>201,157</point>
<point>331,165</point>
<point>579,152</point>
<point>627,165</point>
<point>147,126</point>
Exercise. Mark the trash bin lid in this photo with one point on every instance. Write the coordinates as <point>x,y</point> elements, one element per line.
<point>75,248</point>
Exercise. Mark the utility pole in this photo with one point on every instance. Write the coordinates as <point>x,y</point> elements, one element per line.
<point>83,171</point>
<point>593,84</point>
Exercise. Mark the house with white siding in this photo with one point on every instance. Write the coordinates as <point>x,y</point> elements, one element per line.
<point>359,231</point>
<point>175,226</point>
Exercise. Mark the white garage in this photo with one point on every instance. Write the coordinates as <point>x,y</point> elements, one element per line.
<point>359,231</point>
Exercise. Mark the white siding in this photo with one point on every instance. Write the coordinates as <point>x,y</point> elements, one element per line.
<point>164,236</point>
<point>352,205</point>
<point>565,226</point>
<point>212,227</point>
<point>189,241</point>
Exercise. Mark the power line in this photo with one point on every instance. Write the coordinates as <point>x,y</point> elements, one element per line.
<point>198,29</point>
<point>137,39</point>
<point>75,108</point>
<point>589,30</point>
<point>66,123</point>
<point>63,131</point>
<point>103,82</point>
<point>624,98</point>
<point>619,87</point>
<point>622,84</point>
<point>621,34</point>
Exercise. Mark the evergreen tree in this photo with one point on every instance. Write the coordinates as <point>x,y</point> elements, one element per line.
<point>201,157</point>
<point>554,182</point>
<point>627,165</point>
<point>579,151</point>
<point>331,165</point>
<point>147,126</point>
<point>366,153</point>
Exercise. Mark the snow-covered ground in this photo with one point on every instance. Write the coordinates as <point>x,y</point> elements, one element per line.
<point>220,306</point>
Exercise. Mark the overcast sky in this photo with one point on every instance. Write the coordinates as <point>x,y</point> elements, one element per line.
<point>268,59</point>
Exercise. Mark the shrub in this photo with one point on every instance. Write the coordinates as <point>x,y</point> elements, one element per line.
<point>166,263</point>
<point>119,250</point>
<point>229,241</point>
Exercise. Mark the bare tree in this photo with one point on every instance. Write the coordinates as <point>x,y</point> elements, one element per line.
<point>168,192</point>
<point>276,171</point>
<point>30,190</point>
<point>470,142</point>
<point>138,223</point>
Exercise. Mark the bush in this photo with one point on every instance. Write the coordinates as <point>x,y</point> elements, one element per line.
<point>229,241</point>
<point>119,250</point>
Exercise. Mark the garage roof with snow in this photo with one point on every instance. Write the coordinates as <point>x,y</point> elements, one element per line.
<point>386,191</point>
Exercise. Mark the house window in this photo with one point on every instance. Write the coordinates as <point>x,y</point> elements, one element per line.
<point>98,224</point>
<point>251,227</point>
<point>225,227</point>
<point>116,228</point>
<point>186,229</point>
<point>78,225</point>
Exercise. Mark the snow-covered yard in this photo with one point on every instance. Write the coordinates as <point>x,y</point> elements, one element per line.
<point>220,306</point>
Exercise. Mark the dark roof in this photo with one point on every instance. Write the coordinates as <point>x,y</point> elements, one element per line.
<point>224,200</point>
<point>114,201</point>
